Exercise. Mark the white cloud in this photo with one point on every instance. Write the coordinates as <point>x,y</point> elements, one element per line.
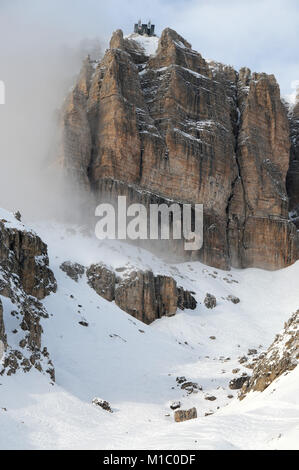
<point>39,43</point>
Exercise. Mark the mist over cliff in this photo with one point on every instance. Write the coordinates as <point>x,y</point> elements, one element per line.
<point>43,43</point>
<point>38,66</point>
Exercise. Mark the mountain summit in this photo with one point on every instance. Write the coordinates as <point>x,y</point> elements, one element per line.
<point>154,119</point>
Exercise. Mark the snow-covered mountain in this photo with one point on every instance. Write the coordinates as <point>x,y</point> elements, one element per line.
<point>98,350</point>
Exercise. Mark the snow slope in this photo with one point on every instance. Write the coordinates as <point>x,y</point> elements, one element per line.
<point>134,366</point>
<point>148,43</point>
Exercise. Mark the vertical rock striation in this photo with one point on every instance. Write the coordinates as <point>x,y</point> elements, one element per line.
<point>172,125</point>
<point>2,332</point>
<point>140,293</point>
<point>25,278</point>
<point>259,231</point>
<point>293,173</point>
<point>280,358</point>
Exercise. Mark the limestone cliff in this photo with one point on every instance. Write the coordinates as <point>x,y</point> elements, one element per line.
<point>140,293</point>
<point>173,126</point>
<point>281,357</point>
<point>293,173</point>
<point>25,279</point>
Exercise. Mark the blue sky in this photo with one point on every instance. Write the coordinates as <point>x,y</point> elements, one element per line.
<point>261,34</point>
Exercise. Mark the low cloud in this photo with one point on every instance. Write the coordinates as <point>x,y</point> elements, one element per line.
<point>43,43</point>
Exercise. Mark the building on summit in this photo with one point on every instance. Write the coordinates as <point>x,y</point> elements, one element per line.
<point>144,29</point>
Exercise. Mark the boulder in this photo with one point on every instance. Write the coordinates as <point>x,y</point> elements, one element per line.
<point>74,270</point>
<point>191,387</point>
<point>210,301</point>
<point>140,293</point>
<point>185,415</point>
<point>102,280</point>
<point>24,254</point>
<point>238,382</point>
<point>25,277</point>
<point>105,405</point>
<point>174,127</point>
<point>2,333</point>
<point>233,299</point>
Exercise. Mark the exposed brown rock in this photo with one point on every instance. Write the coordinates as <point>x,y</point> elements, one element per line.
<point>191,131</point>
<point>105,405</point>
<point>74,270</point>
<point>140,293</point>
<point>25,254</point>
<point>191,387</point>
<point>76,134</point>
<point>185,299</point>
<point>185,415</point>
<point>281,357</point>
<point>2,332</point>
<point>210,398</point>
<point>102,280</point>
<point>293,173</point>
<point>25,278</point>
<point>260,234</point>
<point>147,297</point>
<point>233,299</point>
<point>175,405</point>
<point>238,382</point>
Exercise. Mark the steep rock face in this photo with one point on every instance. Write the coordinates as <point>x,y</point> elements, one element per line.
<point>74,270</point>
<point>140,293</point>
<point>259,231</point>
<point>281,357</point>
<point>178,127</point>
<point>293,173</point>
<point>102,280</point>
<point>25,277</point>
<point>147,297</point>
<point>76,135</point>
<point>2,332</point>
<point>24,254</point>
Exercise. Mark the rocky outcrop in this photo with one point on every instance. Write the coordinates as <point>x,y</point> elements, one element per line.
<point>73,270</point>
<point>25,278</point>
<point>293,173</point>
<point>185,299</point>
<point>140,293</point>
<point>238,382</point>
<point>185,415</point>
<point>233,299</point>
<point>2,333</point>
<point>281,357</point>
<point>147,297</point>
<point>210,301</point>
<point>24,254</point>
<point>259,232</point>
<point>175,127</point>
<point>102,280</point>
